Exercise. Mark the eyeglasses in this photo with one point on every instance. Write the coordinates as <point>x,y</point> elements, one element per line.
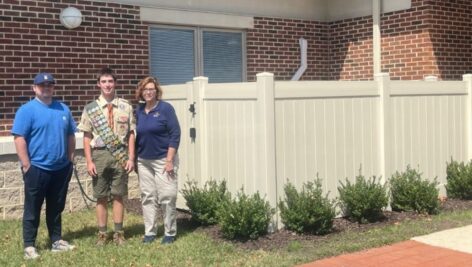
<point>149,90</point>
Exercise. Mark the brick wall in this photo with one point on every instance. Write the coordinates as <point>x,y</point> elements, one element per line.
<point>451,33</point>
<point>407,50</point>
<point>406,47</point>
<point>272,46</point>
<point>350,43</point>
<point>433,37</point>
<point>33,40</point>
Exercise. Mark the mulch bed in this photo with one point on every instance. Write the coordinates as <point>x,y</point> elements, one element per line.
<point>282,238</point>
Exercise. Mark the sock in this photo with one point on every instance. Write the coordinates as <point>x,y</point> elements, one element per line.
<point>118,227</point>
<point>102,229</point>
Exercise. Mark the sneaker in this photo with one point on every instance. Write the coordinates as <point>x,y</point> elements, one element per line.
<point>168,240</point>
<point>101,239</point>
<point>149,239</point>
<point>119,238</point>
<point>61,245</point>
<point>30,253</point>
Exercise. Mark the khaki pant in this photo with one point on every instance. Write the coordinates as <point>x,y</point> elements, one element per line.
<point>111,178</point>
<point>158,188</point>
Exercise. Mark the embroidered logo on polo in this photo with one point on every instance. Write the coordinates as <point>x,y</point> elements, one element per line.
<point>111,140</point>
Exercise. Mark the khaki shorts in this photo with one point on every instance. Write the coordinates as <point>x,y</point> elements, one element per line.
<point>111,178</point>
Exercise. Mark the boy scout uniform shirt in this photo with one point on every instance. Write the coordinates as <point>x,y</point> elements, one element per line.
<point>123,121</point>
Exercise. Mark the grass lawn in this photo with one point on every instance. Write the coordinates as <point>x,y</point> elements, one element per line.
<point>194,248</point>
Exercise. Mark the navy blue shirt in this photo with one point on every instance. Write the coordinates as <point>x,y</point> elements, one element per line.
<point>156,131</point>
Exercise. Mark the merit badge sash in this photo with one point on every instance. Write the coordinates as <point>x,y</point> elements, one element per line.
<point>111,140</point>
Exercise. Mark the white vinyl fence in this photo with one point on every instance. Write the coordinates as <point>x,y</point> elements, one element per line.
<point>259,135</point>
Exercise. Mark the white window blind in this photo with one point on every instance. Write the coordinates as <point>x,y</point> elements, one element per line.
<point>178,55</point>
<point>172,55</point>
<point>222,56</point>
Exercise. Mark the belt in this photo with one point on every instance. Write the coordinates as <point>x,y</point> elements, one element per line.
<point>100,148</point>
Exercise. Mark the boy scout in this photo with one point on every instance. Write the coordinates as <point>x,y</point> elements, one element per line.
<point>109,147</point>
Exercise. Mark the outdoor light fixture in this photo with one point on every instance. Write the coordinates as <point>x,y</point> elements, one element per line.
<point>70,17</point>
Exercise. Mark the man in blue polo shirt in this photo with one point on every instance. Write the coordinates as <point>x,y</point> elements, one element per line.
<point>43,131</point>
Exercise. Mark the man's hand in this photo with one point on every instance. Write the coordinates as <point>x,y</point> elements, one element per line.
<point>25,167</point>
<point>91,169</point>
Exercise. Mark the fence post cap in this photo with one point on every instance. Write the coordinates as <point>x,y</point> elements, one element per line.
<point>382,74</point>
<point>431,78</point>
<point>200,78</point>
<point>265,74</point>
<point>467,76</point>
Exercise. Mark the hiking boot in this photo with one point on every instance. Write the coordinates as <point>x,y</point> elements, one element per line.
<point>101,239</point>
<point>149,239</point>
<point>61,245</point>
<point>119,238</point>
<point>30,253</point>
<point>167,240</point>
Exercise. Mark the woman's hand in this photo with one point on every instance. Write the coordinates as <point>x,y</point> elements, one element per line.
<point>129,167</point>
<point>169,168</point>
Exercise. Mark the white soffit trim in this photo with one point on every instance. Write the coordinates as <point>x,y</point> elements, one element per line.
<point>182,17</point>
<point>344,9</point>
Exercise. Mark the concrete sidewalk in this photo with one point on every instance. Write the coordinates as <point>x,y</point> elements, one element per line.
<point>451,247</point>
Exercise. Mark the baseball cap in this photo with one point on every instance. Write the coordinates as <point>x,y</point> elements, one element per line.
<point>44,77</point>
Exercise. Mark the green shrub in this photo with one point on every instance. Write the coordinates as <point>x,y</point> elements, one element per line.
<point>308,211</point>
<point>205,202</point>
<point>410,193</point>
<point>459,180</point>
<point>245,217</point>
<point>364,200</point>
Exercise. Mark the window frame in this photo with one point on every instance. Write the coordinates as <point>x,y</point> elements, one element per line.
<point>198,46</point>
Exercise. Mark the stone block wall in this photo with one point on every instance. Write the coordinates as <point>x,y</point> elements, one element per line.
<point>12,192</point>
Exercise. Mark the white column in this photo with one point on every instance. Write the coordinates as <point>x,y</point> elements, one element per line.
<point>467,78</point>
<point>385,129</point>
<point>266,138</point>
<point>376,38</point>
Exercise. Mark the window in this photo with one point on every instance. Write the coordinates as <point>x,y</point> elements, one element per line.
<point>172,55</point>
<point>179,54</point>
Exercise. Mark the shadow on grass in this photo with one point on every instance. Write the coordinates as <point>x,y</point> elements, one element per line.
<point>80,234</point>
<point>186,226</point>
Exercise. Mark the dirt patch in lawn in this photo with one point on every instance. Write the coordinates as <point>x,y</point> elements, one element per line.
<point>282,238</point>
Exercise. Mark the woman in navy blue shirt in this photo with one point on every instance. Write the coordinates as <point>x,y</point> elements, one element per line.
<point>157,141</point>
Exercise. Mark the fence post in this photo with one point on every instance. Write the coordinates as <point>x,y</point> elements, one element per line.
<point>385,129</point>
<point>467,78</point>
<point>266,139</point>
<point>200,153</point>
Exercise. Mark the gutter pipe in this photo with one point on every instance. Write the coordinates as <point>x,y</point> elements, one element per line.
<point>303,58</point>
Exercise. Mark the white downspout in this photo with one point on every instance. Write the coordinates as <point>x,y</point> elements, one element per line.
<point>376,38</point>
<point>304,62</point>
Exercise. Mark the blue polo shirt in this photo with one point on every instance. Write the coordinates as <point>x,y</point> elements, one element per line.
<point>46,129</point>
<point>156,131</point>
